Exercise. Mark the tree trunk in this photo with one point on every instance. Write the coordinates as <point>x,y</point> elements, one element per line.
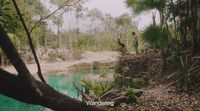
<point>59,36</point>
<point>162,17</point>
<point>195,43</point>
<point>2,60</point>
<point>164,61</point>
<point>24,87</point>
<point>12,86</point>
<point>154,19</point>
<point>43,41</point>
<point>69,42</point>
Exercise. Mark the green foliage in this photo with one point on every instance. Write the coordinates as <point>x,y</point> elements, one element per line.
<point>8,18</point>
<point>15,40</point>
<point>156,36</point>
<point>94,42</point>
<point>97,88</point>
<point>123,20</point>
<point>131,93</point>
<point>141,5</point>
<point>136,82</point>
<point>121,81</point>
<point>105,41</point>
<point>185,72</point>
<point>139,82</point>
<point>60,2</point>
<point>84,42</point>
<point>152,34</point>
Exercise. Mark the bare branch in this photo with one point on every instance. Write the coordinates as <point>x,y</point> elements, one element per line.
<point>59,8</point>
<point>30,41</point>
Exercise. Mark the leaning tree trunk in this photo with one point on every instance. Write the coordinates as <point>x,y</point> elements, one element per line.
<point>24,87</point>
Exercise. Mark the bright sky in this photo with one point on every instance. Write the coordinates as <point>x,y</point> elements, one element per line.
<point>115,8</point>
<point>118,7</point>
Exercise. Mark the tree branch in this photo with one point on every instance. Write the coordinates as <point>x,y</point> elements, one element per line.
<point>13,55</point>
<point>30,41</point>
<point>26,88</point>
<point>59,8</point>
<point>12,86</point>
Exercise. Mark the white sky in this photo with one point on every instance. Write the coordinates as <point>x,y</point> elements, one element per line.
<point>115,8</point>
<point>118,7</point>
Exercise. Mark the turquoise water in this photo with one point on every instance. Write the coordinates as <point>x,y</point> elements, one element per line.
<point>62,83</point>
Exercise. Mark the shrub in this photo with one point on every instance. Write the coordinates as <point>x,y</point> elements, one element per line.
<point>156,36</point>
<point>97,88</point>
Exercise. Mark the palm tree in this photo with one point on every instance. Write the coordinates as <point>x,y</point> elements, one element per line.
<point>142,5</point>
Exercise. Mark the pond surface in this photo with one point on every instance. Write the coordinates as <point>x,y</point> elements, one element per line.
<point>62,83</point>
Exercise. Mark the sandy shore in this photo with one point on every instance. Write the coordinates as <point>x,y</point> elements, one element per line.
<point>64,66</point>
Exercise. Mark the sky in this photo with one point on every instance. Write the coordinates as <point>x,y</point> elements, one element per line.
<point>115,8</point>
<point>118,7</point>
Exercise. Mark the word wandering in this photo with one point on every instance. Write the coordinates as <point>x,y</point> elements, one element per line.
<point>100,103</point>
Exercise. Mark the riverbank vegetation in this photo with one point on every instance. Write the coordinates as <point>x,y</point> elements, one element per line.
<point>164,75</point>
<point>101,34</point>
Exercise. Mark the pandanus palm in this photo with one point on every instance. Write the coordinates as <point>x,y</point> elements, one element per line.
<point>154,34</point>
<point>142,5</point>
<point>158,37</point>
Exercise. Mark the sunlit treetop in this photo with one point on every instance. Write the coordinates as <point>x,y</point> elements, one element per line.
<point>141,5</point>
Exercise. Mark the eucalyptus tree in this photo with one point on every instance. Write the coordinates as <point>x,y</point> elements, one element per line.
<point>94,15</point>
<point>75,17</point>
<point>110,23</point>
<point>71,15</point>
<point>58,21</point>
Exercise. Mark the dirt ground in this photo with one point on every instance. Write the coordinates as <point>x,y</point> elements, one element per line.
<point>63,66</point>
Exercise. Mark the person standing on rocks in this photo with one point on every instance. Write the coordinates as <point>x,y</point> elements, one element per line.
<point>135,42</point>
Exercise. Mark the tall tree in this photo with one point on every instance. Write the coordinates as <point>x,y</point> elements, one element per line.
<point>142,5</point>
<point>58,21</point>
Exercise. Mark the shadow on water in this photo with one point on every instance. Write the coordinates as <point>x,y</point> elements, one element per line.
<point>62,83</point>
